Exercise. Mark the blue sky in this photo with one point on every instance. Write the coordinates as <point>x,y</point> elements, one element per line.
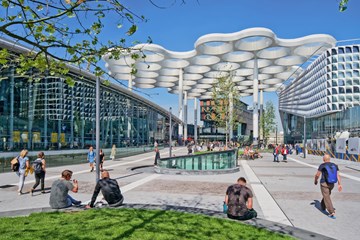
<point>177,26</point>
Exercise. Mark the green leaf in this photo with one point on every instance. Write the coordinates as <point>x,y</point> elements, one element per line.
<point>131,30</point>
<point>129,16</point>
<point>342,8</point>
<point>69,81</point>
<point>39,7</point>
<point>11,18</point>
<point>5,3</point>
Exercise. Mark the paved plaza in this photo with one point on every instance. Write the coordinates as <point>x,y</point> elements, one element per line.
<point>284,193</point>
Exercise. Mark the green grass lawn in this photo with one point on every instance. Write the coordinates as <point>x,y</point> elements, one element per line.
<point>127,224</point>
<point>201,152</point>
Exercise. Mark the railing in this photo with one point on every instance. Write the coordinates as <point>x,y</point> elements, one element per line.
<point>223,160</point>
<point>70,157</point>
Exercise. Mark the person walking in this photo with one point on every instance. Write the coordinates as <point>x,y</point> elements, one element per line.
<point>113,152</point>
<point>276,153</point>
<point>39,166</point>
<point>329,176</point>
<point>102,158</point>
<point>157,156</point>
<point>91,157</point>
<point>23,165</point>
<point>284,152</point>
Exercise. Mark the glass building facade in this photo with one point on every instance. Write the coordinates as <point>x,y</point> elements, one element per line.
<point>49,114</point>
<point>327,94</point>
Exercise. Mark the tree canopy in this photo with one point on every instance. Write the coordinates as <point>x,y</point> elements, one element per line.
<point>267,120</point>
<point>66,31</point>
<point>225,94</point>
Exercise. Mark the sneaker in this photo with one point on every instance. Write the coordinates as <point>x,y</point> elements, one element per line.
<point>332,216</point>
<point>31,192</point>
<point>77,203</point>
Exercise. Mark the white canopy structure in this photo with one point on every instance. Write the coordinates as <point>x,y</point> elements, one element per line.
<point>258,60</point>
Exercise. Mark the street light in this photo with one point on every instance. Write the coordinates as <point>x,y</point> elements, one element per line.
<point>304,136</point>
<point>276,134</point>
<point>170,132</point>
<point>97,122</point>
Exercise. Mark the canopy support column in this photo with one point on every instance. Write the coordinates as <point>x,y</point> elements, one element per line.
<point>255,104</point>
<point>180,106</point>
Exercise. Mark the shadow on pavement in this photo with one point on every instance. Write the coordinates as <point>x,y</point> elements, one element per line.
<point>317,204</point>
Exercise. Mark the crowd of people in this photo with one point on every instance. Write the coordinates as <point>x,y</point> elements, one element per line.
<point>284,150</point>
<point>251,153</point>
<point>238,202</point>
<point>59,196</point>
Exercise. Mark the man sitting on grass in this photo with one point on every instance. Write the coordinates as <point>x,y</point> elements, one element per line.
<point>109,189</point>
<point>239,201</point>
<point>59,197</point>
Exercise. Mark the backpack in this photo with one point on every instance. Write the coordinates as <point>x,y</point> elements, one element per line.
<point>37,165</point>
<point>15,164</point>
<point>330,173</point>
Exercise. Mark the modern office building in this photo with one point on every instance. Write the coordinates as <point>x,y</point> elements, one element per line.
<point>243,127</point>
<point>327,94</point>
<point>49,114</point>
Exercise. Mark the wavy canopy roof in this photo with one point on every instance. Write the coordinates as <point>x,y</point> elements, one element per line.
<point>216,55</point>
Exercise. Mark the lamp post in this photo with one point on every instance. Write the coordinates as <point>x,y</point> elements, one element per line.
<point>304,136</point>
<point>97,121</point>
<point>276,134</point>
<point>170,132</point>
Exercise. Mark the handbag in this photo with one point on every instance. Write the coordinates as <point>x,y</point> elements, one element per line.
<point>29,170</point>
<point>15,164</point>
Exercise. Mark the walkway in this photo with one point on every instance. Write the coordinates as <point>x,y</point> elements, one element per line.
<point>284,192</point>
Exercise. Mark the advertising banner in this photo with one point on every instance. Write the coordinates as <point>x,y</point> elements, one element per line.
<point>314,144</point>
<point>24,137</point>
<point>54,137</point>
<point>62,138</point>
<point>321,144</point>
<point>354,145</point>
<point>341,145</point>
<point>309,144</point>
<point>16,136</point>
<point>36,137</point>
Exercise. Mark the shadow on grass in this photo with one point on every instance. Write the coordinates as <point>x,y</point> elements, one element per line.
<point>129,232</point>
<point>257,222</point>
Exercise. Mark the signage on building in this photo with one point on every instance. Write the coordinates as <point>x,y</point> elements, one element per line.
<point>16,136</point>
<point>354,146</point>
<point>341,145</point>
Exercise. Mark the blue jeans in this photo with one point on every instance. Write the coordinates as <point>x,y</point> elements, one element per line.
<point>21,174</point>
<point>70,201</point>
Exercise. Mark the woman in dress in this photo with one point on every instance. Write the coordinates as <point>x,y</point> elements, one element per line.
<point>91,158</point>
<point>113,152</point>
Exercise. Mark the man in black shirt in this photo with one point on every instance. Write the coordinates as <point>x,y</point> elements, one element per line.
<point>109,189</point>
<point>239,200</point>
